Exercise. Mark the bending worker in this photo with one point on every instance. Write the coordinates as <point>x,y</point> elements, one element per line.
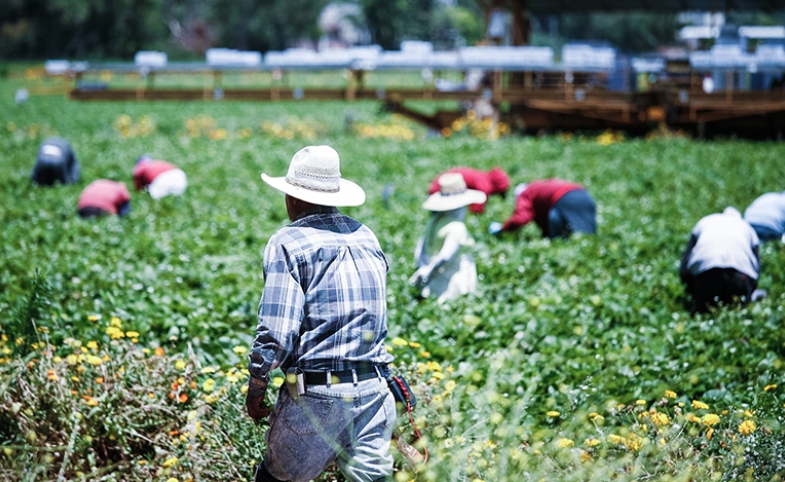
<point>160,178</point>
<point>721,262</point>
<point>766,215</point>
<point>446,268</point>
<point>559,208</point>
<point>494,181</point>
<point>55,162</point>
<point>103,197</point>
<point>323,321</point>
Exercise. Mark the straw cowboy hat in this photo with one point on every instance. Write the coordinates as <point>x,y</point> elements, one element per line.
<point>314,176</point>
<point>452,194</point>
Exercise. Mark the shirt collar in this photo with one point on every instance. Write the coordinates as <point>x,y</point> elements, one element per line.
<point>318,210</point>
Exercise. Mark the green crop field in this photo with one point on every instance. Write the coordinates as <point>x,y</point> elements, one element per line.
<point>124,341</point>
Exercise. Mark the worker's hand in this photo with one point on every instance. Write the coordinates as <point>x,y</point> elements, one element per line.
<point>420,277</point>
<point>495,228</point>
<point>256,408</point>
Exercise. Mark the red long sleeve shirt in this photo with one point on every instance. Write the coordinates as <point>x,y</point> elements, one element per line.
<point>105,195</point>
<point>145,172</point>
<point>492,182</point>
<point>536,202</point>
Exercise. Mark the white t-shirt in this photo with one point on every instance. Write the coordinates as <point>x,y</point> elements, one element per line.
<point>724,241</point>
<point>768,211</point>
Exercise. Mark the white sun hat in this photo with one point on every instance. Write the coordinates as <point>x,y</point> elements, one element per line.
<point>453,194</point>
<point>315,177</point>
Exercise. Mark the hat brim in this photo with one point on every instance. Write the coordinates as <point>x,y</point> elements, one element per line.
<point>348,194</point>
<point>437,202</point>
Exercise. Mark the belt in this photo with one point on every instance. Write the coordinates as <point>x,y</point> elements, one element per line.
<point>363,372</point>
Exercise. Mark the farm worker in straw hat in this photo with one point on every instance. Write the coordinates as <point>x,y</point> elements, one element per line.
<point>160,178</point>
<point>55,162</point>
<point>494,181</point>
<point>103,197</point>
<point>721,262</point>
<point>323,321</point>
<point>766,215</point>
<point>446,268</point>
<point>559,208</point>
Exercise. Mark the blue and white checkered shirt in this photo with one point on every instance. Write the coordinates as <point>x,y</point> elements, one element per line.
<point>324,301</point>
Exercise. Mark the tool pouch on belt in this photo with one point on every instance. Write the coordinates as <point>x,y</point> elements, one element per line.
<point>295,382</point>
<point>401,392</point>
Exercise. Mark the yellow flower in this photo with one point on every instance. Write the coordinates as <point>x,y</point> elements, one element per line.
<point>640,402</point>
<point>116,322</point>
<point>450,386</point>
<point>132,334</point>
<point>699,405</point>
<point>414,344</point>
<point>615,439</point>
<point>565,442</point>
<point>94,360</point>
<point>169,462</point>
<point>433,366</point>
<point>711,419</point>
<point>709,433</point>
<point>399,342</point>
<point>71,359</point>
<point>180,364</point>
<point>553,413</point>
<point>94,317</point>
<point>769,387</point>
<point>663,442</point>
<point>437,399</point>
<point>114,332</point>
<point>670,394</point>
<point>425,354</point>
<point>747,427</point>
<point>92,345</point>
<point>240,350</point>
<point>172,479</point>
<point>659,419</point>
<point>208,385</point>
<point>591,442</point>
<point>585,457</point>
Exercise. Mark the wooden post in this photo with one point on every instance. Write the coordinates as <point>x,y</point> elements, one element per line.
<point>66,84</point>
<point>729,87</point>
<point>498,84</point>
<point>350,85</point>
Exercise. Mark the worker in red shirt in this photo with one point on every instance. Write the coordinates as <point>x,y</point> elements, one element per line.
<point>558,207</point>
<point>104,197</point>
<point>494,181</point>
<point>159,178</point>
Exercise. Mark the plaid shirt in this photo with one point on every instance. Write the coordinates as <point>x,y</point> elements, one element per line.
<point>324,303</point>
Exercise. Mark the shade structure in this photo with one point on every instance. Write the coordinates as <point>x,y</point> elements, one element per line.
<point>665,6</point>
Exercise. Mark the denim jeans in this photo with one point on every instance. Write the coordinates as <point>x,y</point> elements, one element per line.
<point>344,423</point>
<point>575,211</point>
<point>765,233</point>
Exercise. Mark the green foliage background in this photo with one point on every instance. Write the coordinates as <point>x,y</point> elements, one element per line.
<point>573,326</point>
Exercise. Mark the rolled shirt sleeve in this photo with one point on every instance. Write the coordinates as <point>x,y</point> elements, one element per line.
<point>280,315</point>
<point>523,214</point>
